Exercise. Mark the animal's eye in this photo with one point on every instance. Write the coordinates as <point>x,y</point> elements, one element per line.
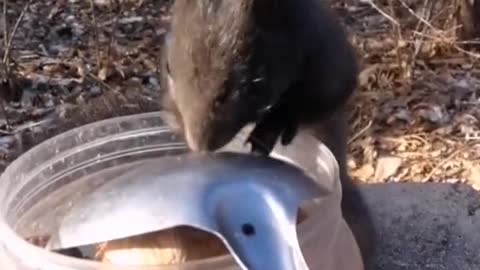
<point>248,229</point>
<point>229,92</point>
<point>222,98</point>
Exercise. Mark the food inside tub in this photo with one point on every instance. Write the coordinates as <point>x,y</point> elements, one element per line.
<point>173,246</point>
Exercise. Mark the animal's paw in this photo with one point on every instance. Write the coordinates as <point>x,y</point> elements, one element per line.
<point>266,134</point>
<point>289,133</point>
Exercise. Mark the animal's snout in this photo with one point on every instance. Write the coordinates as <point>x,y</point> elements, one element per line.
<point>207,140</point>
<point>193,141</point>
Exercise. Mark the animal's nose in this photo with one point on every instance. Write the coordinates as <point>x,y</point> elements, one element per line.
<point>204,142</point>
<point>202,139</point>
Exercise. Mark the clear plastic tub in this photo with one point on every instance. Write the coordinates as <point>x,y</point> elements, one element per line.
<point>38,188</point>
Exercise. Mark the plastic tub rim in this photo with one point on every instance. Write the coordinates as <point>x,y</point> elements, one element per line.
<point>11,241</point>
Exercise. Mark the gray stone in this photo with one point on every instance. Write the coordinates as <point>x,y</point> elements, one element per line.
<point>425,226</point>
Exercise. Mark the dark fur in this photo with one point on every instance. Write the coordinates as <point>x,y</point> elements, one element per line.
<point>282,64</point>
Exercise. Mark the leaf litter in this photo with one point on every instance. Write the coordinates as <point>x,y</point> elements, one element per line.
<point>415,116</point>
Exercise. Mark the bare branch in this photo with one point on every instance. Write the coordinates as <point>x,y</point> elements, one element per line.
<point>5,24</point>
<point>95,31</point>
<point>12,35</point>
<point>383,13</point>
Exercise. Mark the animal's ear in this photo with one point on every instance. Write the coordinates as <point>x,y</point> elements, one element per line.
<point>264,11</point>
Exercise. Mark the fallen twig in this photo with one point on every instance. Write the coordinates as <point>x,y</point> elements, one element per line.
<point>12,35</point>
<point>96,34</point>
<point>383,13</point>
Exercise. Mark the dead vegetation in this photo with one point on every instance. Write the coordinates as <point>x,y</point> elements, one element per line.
<point>414,118</point>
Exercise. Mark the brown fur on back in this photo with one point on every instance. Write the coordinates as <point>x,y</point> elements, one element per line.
<point>217,39</point>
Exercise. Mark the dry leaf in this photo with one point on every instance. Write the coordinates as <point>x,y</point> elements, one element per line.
<point>102,73</point>
<point>387,166</point>
<point>366,74</point>
<point>364,173</point>
<point>474,177</point>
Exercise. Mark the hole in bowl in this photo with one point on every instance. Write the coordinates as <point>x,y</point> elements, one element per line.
<point>248,229</point>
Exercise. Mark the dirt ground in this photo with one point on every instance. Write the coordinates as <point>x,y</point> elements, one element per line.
<point>414,118</point>
<point>433,227</point>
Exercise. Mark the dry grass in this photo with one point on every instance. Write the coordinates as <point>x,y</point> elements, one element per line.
<point>417,113</point>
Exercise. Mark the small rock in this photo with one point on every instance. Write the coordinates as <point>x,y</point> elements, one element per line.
<point>6,142</point>
<point>95,91</point>
<point>435,114</point>
<point>153,81</point>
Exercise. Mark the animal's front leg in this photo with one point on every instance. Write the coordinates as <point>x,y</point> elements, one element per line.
<point>263,139</point>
